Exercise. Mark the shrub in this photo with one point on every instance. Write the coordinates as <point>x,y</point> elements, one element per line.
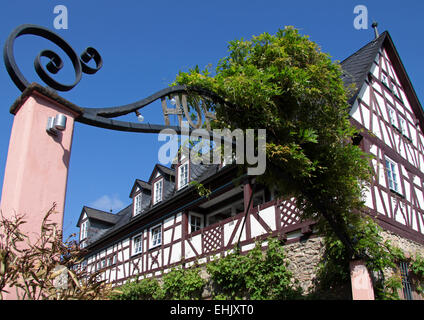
<point>146,289</point>
<point>258,275</point>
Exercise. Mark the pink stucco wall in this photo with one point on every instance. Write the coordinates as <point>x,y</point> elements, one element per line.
<point>362,288</point>
<point>37,164</point>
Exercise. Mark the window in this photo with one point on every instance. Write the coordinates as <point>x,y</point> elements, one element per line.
<point>195,222</point>
<point>183,175</point>
<point>392,175</point>
<point>84,230</point>
<point>403,129</point>
<point>111,261</point>
<point>395,90</point>
<point>384,80</point>
<point>137,244</point>
<point>156,234</point>
<point>100,264</point>
<point>392,116</point>
<point>137,204</point>
<point>406,282</point>
<point>158,191</point>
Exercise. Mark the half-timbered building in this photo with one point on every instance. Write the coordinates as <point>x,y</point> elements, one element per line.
<point>168,223</point>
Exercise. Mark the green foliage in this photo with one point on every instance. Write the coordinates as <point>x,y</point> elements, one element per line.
<point>283,83</point>
<point>183,284</point>
<point>257,275</point>
<point>417,266</point>
<point>380,256</point>
<point>146,289</point>
<point>178,284</point>
<point>391,287</point>
<point>201,189</point>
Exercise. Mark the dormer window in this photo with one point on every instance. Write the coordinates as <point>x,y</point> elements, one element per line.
<point>137,204</point>
<point>84,230</point>
<point>158,189</point>
<point>183,175</point>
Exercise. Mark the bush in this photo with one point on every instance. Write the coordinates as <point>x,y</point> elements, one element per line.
<point>183,284</point>
<point>178,284</point>
<point>257,275</point>
<point>146,289</point>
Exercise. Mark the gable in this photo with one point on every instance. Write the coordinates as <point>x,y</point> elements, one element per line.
<point>160,170</point>
<point>385,106</point>
<point>83,216</point>
<point>380,55</point>
<point>139,185</point>
<point>356,66</point>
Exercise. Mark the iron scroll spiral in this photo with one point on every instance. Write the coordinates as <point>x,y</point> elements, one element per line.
<point>54,65</point>
<point>99,117</point>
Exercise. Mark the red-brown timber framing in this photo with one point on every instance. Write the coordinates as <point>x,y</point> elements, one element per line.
<point>211,239</point>
<point>280,217</point>
<point>276,218</point>
<point>391,143</point>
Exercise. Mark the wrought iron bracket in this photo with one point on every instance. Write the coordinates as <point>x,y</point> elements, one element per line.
<point>100,117</point>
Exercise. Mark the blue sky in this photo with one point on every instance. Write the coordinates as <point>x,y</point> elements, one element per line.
<point>145,43</point>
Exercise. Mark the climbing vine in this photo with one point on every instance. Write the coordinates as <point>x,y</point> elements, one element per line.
<point>286,85</point>
<point>260,275</point>
<point>381,257</point>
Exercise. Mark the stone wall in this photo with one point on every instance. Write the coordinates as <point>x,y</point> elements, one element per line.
<point>409,247</point>
<point>304,257</point>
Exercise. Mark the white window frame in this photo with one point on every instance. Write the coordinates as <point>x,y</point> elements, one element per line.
<point>385,79</point>
<point>153,238</point>
<point>187,178</point>
<point>136,249</point>
<point>158,195</point>
<point>403,126</point>
<point>392,116</point>
<point>137,204</point>
<point>84,230</point>
<point>392,171</point>
<point>111,261</point>
<point>395,89</point>
<point>195,215</point>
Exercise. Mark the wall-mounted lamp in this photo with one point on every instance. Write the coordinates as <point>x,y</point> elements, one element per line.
<point>139,116</point>
<point>56,123</point>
